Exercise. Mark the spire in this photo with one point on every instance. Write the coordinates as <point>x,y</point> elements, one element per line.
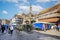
<point>30,8</point>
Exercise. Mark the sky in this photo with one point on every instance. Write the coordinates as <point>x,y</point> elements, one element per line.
<point>8,8</point>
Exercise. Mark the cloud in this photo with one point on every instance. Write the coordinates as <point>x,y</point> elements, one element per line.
<point>57,3</point>
<point>26,9</point>
<point>42,0</point>
<point>36,8</point>
<point>4,12</point>
<point>15,1</point>
<point>46,0</point>
<point>55,0</point>
<point>25,1</point>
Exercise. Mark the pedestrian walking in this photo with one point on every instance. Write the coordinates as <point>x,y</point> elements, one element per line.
<point>2,28</point>
<point>11,29</point>
<point>44,27</point>
<point>6,28</point>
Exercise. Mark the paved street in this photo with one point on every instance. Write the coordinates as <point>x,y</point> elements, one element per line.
<point>27,36</point>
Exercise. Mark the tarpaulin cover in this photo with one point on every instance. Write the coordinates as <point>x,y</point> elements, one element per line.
<point>38,25</point>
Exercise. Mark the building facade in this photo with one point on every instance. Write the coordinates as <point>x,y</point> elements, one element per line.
<point>4,21</point>
<point>51,15</point>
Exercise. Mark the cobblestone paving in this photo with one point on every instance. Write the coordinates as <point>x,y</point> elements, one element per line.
<point>26,36</point>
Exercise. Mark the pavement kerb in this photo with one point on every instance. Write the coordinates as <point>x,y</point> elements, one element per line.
<point>50,32</point>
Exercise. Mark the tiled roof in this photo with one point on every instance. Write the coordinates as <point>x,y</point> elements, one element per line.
<point>50,9</point>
